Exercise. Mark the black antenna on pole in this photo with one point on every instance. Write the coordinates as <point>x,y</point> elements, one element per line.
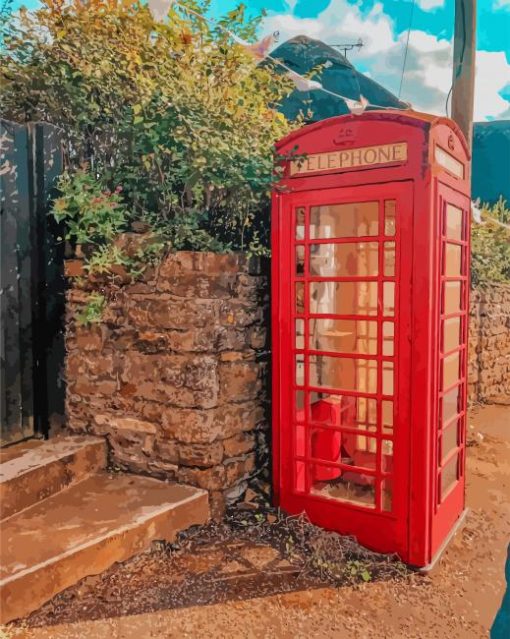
<point>348,46</point>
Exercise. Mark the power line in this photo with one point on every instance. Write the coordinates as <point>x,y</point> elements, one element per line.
<point>460,64</point>
<point>407,48</point>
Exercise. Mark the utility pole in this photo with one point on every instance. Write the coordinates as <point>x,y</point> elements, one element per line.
<point>464,55</point>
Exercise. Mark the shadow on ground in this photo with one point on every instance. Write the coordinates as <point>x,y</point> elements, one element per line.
<point>255,552</point>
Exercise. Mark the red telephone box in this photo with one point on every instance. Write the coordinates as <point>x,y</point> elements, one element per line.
<point>370,279</point>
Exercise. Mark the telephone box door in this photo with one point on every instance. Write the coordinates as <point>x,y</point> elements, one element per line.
<point>344,273</point>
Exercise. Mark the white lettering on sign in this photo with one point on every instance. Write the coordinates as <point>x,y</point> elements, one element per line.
<point>350,158</point>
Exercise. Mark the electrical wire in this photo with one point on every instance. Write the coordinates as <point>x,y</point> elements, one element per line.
<point>407,49</point>
<point>458,70</point>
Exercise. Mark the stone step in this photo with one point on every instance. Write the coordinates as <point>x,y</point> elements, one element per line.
<point>34,470</point>
<point>86,528</point>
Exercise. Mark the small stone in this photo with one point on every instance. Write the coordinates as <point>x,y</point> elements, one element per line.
<point>250,495</point>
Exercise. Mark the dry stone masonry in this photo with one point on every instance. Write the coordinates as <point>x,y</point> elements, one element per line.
<point>489,344</point>
<point>175,375</point>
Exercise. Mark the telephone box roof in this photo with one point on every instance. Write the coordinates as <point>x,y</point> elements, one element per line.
<point>409,117</point>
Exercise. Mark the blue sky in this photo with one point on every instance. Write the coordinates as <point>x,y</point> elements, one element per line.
<point>383,25</point>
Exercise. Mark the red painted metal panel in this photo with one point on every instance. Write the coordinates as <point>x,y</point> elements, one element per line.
<point>346,362</point>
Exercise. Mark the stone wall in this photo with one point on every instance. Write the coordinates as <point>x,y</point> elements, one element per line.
<point>489,344</point>
<point>176,373</point>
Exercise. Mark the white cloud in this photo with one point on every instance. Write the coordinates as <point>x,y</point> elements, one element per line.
<point>428,75</point>
<point>492,75</point>
<point>430,5</point>
<point>501,4</point>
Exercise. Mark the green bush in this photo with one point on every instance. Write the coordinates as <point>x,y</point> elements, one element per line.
<point>177,114</point>
<point>490,246</point>
<point>91,215</point>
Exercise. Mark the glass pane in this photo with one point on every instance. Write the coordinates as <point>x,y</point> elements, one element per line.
<point>300,333</point>
<point>452,297</point>
<point>344,220</point>
<point>387,495</point>
<point>453,260</point>
<point>451,334</point>
<point>387,456</point>
<point>344,373</point>
<point>342,260</point>
<point>343,411</point>
<point>300,297</point>
<point>300,223</point>
<point>387,378</point>
<point>449,476</point>
<point>388,338</point>
<point>352,487</point>
<point>387,416</point>
<point>326,445</point>
<point>300,476</point>
<point>326,408</point>
<point>343,298</point>
<point>361,449</point>
<point>347,448</point>
<point>453,222</point>
<point>344,336</point>
<point>449,439</point>
<point>389,217</point>
<point>300,259</point>
<point>451,365</point>
<point>300,406</point>
<point>389,259</point>
<point>451,404</point>
<point>300,370</point>
<point>300,440</point>
<point>389,298</point>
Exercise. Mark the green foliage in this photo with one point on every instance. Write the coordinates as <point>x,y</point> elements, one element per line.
<point>93,311</point>
<point>359,569</point>
<point>104,257</point>
<point>490,246</point>
<point>177,113</point>
<point>91,215</point>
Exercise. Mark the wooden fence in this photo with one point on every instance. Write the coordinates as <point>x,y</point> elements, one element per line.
<point>32,284</point>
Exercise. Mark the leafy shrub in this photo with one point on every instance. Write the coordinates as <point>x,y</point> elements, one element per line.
<point>490,246</point>
<point>177,113</point>
<point>91,215</point>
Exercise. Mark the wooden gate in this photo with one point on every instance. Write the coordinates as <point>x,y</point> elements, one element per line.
<point>32,283</point>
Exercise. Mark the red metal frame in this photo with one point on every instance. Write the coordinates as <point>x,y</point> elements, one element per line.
<point>320,443</point>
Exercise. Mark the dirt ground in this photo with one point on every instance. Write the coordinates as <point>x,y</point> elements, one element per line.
<point>457,601</point>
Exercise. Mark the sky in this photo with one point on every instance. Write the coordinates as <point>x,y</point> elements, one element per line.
<point>383,26</point>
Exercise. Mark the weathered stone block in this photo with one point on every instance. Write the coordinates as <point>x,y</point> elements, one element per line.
<point>210,478</point>
<point>160,312</point>
<point>239,444</point>
<point>240,381</point>
<point>203,455</point>
<point>181,380</point>
<point>197,285</point>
